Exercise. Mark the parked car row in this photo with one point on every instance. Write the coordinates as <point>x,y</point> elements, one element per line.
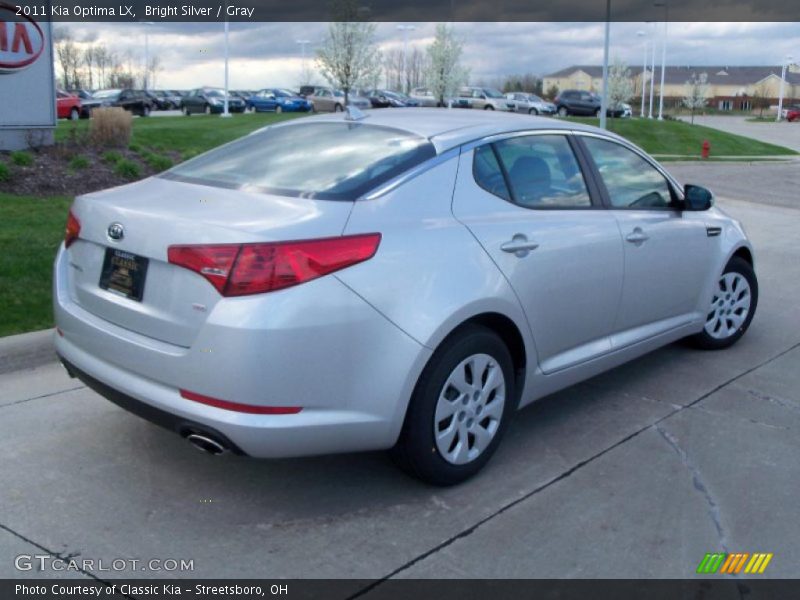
<point>79,104</point>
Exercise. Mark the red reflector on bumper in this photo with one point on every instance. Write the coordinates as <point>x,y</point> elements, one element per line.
<point>243,408</point>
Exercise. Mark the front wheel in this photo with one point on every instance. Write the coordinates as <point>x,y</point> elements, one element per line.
<point>74,114</point>
<point>562,112</point>
<point>208,109</point>
<point>337,108</point>
<point>185,111</point>
<point>279,109</point>
<point>597,113</point>
<point>488,107</point>
<point>533,112</point>
<point>146,111</point>
<point>733,305</point>
<point>460,408</point>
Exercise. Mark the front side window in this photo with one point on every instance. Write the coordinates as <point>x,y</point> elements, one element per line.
<point>631,181</point>
<point>329,161</point>
<point>541,171</point>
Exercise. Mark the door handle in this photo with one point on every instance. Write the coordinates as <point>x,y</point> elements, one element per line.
<point>519,246</point>
<point>637,236</point>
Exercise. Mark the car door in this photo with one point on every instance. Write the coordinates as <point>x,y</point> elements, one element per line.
<point>528,203</point>
<point>668,252</point>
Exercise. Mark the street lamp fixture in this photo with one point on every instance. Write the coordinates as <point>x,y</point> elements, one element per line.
<point>787,61</point>
<point>665,5</point>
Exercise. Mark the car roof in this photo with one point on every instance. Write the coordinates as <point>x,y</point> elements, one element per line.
<point>448,128</point>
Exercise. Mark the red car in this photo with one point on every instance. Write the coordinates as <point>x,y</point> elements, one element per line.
<point>68,106</point>
<point>793,114</point>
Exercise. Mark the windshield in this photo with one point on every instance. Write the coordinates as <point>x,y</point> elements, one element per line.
<point>492,93</point>
<point>285,93</point>
<point>330,161</point>
<point>107,94</point>
<point>215,93</point>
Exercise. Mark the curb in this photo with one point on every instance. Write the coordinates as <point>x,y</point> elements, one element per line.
<point>26,351</point>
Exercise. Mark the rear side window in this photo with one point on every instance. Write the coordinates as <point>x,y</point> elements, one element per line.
<point>540,171</point>
<point>329,161</point>
<point>487,172</point>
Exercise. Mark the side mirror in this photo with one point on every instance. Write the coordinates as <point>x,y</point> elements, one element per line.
<point>697,197</point>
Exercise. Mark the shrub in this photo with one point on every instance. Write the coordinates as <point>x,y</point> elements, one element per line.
<point>5,172</point>
<point>127,169</point>
<point>135,148</point>
<point>159,163</point>
<point>111,127</point>
<point>112,157</point>
<point>21,158</point>
<point>79,162</point>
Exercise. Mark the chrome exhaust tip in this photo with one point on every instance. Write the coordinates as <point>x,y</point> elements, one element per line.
<point>206,444</point>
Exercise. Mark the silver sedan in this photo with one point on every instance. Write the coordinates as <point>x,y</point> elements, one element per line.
<point>401,281</point>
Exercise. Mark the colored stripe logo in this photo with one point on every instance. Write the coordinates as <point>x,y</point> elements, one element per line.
<point>734,563</point>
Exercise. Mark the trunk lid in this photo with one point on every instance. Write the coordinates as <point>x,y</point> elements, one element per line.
<point>157,213</point>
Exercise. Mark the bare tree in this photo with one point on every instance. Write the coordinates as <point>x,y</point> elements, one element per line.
<point>89,61</point>
<point>349,57</point>
<point>522,83</point>
<point>696,92</point>
<point>69,58</point>
<point>102,59</point>
<point>151,72</point>
<point>760,97</point>
<point>444,73</point>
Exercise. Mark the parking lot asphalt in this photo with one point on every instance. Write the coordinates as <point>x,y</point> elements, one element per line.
<point>782,134</point>
<point>635,473</point>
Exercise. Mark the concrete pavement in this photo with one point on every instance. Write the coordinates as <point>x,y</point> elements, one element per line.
<point>636,473</point>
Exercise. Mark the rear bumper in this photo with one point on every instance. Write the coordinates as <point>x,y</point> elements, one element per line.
<point>318,346</point>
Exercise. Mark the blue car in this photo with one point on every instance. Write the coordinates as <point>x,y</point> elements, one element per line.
<point>278,100</point>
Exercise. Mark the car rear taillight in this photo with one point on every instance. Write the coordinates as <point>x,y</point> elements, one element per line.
<point>73,229</point>
<point>244,269</point>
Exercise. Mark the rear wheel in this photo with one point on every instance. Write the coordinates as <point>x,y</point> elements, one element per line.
<point>562,112</point>
<point>733,305</point>
<point>533,112</point>
<point>337,108</point>
<point>279,109</point>
<point>488,107</point>
<point>208,109</point>
<point>146,111</point>
<point>74,114</point>
<point>185,111</point>
<point>460,408</point>
<point>597,113</point>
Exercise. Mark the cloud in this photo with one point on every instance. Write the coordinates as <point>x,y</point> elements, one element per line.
<point>267,54</point>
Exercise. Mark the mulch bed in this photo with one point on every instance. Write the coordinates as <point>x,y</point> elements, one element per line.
<point>51,173</point>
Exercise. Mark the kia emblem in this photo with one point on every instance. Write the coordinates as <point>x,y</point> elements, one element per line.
<point>116,232</point>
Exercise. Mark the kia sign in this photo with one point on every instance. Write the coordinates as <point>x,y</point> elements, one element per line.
<point>21,41</point>
<point>27,89</point>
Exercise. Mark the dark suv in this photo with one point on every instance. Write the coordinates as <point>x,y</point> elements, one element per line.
<point>581,103</point>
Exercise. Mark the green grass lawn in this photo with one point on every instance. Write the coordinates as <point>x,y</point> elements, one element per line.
<point>677,137</point>
<point>185,135</point>
<point>32,228</point>
<point>31,232</point>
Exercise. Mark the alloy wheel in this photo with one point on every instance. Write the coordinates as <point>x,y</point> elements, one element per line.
<point>469,409</point>
<point>729,306</point>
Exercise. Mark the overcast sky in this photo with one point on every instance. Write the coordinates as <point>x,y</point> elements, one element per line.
<point>267,55</point>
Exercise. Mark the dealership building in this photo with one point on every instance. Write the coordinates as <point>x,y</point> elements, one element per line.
<point>729,88</point>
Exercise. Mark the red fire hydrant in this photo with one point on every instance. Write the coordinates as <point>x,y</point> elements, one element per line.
<point>706,149</point>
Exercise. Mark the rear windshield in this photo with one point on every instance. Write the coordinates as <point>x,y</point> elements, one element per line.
<point>329,161</point>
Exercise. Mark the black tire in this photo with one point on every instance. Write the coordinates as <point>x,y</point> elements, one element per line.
<point>563,112</point>
<point>533,112</point>
<point>416,451</point>
<point>597,113</point>
<point>488,107</point>
<point>185,110</point>
<point>208,109</point>
<point>279,109</point>
<point>74,114</point>
<point>338,108</point>
<point>704,340</point>
<point>146,111</point>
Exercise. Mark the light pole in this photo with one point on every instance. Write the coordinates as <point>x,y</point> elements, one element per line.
<point>604,99</point>
<point>225,112</point>
<point>783,79</point>
<point>642,34</point>
<point>652,71</point>
<point>303,44</point>
<point>663,60</point>
<point>405,29</point>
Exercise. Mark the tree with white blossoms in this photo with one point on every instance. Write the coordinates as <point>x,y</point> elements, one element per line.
<point>696,92</point>
<point>620,84</point>
<point>444,73</point>
<point>349,57</point>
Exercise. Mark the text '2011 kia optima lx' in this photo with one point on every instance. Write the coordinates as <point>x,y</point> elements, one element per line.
<point>403,281</point>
